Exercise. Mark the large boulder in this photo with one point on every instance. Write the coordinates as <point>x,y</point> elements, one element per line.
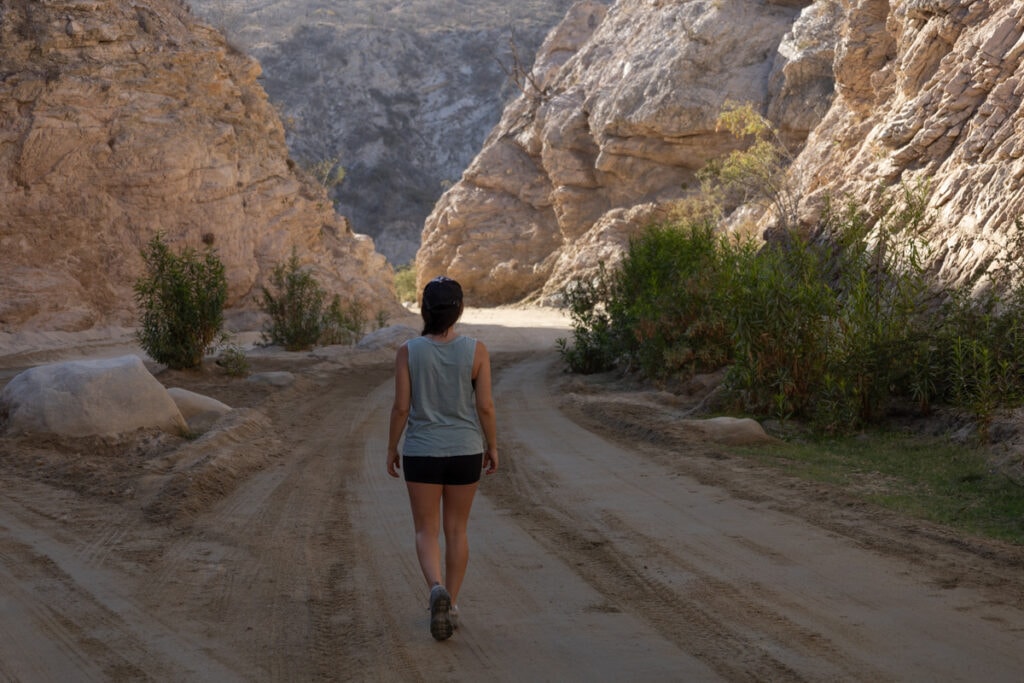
<point>89,398</point>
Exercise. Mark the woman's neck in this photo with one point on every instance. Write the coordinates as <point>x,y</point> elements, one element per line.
<point>445,336</point>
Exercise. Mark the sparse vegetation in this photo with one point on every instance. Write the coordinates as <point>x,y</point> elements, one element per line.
<point>181,300</point>
<point>929,478</point>
<point>326,172</point>
<point>405,284</point>
<point>234,361</point>
<point>754,174</point>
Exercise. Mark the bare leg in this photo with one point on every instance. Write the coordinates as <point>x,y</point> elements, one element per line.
<point>425,500</point>
<point>457,502</point>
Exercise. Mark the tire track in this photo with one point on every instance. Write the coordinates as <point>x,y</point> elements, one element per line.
<point>754,593</point>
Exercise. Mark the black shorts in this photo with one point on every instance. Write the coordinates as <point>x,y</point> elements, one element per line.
<point>456,470</point>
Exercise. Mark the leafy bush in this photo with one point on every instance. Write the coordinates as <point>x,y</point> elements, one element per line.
<point>342,325</point>
<point>833,327</point>
<point>666,295</point>
<point>754,174</point>
<point>181,300</point>
<point>833,330</point>
<point>300,316</point>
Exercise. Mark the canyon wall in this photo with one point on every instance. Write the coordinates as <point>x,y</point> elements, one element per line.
<point>878,96</point>
<point>400,93</point>
<point>620,116</point>
<point>119,121</point>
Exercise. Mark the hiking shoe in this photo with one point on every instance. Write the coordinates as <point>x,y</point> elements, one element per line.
<point>440,613</point>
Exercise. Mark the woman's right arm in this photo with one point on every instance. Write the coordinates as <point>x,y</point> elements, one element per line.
<point>485,405</point>
<point>399,409</point>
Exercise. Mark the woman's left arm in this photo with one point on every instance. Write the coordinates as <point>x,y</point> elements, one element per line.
<point>399,409</point>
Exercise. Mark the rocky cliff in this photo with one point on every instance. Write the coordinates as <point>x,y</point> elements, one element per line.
<point>876,94</point>
<point>929,96</point>
<point>402,94</point>
<point>621,115</point>
<point>120,120</point>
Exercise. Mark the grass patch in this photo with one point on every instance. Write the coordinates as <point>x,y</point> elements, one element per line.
<point>930,479</point>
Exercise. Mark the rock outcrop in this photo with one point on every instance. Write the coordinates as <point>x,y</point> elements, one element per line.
<point>877,96</point>
<point>621,114</point>
<point>929,98</point>
<point>122,120</point>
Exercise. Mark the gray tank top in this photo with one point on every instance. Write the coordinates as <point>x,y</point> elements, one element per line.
<point>442,418</point>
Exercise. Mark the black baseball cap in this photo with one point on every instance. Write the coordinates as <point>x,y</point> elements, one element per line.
<point>442,292</point>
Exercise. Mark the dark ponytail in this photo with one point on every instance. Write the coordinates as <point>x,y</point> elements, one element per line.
<point>436,321</point>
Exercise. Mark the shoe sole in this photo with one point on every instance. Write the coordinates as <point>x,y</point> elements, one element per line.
<point>440,617</point>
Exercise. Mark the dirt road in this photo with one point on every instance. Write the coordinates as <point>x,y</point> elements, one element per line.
<point>608,548</point>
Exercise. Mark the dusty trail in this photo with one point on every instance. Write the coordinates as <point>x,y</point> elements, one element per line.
<point>282,551</point>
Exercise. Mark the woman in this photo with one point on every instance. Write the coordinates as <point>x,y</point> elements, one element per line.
<point>443,404</point>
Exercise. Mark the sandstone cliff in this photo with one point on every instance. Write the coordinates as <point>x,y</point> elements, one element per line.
<point>118,120</point>
<point>929,95</point>
<point>621,117</point>
<point>877,94</point>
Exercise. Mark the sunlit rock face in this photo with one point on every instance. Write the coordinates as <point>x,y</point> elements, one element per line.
<point>928,98</point>
<point>618,115</point>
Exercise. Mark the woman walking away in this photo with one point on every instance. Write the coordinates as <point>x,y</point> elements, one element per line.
<point>443,404</point>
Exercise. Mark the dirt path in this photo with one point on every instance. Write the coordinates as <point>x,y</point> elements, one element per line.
<point>279,550</point>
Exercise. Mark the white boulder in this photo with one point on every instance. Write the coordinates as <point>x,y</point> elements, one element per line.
<point>199,411</point>
<point>89,397</point>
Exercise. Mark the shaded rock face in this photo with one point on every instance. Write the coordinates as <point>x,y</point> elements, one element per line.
<point>121,120</point>
<point>929,97</point>
<point>403,94</point>
<point>622,115</point>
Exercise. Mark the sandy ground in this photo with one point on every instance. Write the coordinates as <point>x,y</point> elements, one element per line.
<point>611,546</point>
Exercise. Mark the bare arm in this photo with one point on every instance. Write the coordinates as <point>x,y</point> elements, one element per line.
<point>399,409</point>
<point>485,406</point>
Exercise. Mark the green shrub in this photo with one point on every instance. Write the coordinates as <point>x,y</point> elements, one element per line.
<point>779,310</point>
<point>181,300</point>
<point>296,309</point>
<point>666,296</point>
<point>300,316</point>
<point>833,327</point>
<point>755,174</point>
<point>342,325</point>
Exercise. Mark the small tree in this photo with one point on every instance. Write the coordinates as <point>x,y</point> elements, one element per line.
<point>181,300</point>
<point>755,174</point>
<point>300,315</point>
